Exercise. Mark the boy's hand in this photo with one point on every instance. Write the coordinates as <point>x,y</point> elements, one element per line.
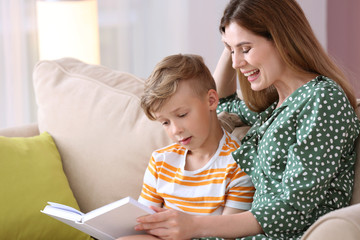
<point>167,224</point>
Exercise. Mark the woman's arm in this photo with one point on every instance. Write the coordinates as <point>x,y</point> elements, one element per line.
<point>172,224</point>
<point>226,84</point>
<point>225,75</point>
<point>317,160</point>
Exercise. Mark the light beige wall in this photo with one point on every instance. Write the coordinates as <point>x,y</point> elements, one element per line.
<point>316,13</point>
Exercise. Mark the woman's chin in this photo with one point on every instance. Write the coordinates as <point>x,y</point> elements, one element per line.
<point>256,87</point>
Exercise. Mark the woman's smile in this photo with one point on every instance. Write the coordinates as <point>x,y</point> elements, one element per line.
<point>252,75</point>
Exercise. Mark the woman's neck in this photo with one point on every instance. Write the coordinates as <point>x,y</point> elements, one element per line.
<point>290,84</point>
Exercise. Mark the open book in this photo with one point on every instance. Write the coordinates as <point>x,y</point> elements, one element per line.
<point>108,222</point>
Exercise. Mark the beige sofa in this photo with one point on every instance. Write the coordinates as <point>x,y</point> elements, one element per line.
<point>105,140</point>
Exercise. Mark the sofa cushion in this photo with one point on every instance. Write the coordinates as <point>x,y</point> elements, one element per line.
<point>31,175</point>
<point>104,138</point>
<point>356,193</point>
<point>339,224</point>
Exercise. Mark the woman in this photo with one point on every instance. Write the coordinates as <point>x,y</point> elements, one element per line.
<point>300,149</point>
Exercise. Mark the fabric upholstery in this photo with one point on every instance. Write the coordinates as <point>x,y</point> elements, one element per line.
<point>356,192</point>
<point>29,130</point>
<point>31,174</point>
<point>339,224</point>
<point>104,138</point>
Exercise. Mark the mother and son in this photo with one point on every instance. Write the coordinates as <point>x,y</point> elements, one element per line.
<point>296,162</point>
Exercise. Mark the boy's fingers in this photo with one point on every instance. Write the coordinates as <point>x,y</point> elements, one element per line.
<point>159,216</point>
<point>158,209</point>
<point>148,226</point>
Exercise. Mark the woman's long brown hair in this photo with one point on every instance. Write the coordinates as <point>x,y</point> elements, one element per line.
<point>284,23</point>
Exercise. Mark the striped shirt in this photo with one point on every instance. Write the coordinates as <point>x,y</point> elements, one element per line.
<point>204,191</point>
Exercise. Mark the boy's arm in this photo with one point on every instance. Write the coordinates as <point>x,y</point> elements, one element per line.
<point>172,224</point>
<point>230,210</point>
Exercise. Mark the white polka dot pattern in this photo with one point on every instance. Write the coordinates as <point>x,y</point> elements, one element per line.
<point>300,157</point>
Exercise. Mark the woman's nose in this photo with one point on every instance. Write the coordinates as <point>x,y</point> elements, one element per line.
<point>238,61</point>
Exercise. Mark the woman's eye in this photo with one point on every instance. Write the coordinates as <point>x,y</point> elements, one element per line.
<point>246,50</point>
<point>165,123</point>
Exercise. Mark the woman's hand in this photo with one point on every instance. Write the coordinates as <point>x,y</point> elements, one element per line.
<point>225,75</point>
<point>168,224</point>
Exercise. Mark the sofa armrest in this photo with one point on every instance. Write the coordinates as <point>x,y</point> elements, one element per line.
<point>340,224</point>
<point>28,130</point>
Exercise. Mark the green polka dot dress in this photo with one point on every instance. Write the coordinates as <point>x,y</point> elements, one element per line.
<point>299,156</point>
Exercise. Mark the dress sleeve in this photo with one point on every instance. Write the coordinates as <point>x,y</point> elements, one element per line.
<point>318,176</point>
<point>233,104</point>
<point>149,195</point>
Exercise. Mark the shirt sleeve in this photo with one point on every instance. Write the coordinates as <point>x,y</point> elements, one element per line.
<point>149,196</point>
<point>319,165</point>
<point>240,190</point>
<point>233,104</point>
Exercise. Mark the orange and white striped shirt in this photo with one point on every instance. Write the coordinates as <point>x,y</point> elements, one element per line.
<point>204,191</point>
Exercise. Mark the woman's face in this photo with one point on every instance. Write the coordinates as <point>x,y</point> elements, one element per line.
<point>256,57</point>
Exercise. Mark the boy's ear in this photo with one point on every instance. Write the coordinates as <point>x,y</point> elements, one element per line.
<point>213,99</point>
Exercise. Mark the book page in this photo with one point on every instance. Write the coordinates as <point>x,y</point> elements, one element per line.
<point>114,205</point>
<point>64,207</point>
<point>106,223</point>
<point>62,213</point>
<point>121,220</point>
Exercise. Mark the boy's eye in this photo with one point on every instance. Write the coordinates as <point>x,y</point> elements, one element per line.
<point>182,115</point>
<point>165,123</point>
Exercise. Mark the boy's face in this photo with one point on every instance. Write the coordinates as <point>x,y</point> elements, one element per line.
<point>188,118</point>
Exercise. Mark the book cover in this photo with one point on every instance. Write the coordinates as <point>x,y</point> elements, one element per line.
<point>109,222</point>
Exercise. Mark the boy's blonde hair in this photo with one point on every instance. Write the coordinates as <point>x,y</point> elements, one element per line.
<point>164,80</point>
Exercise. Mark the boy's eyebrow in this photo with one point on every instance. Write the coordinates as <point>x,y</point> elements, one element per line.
<point>172,111</point>
<point>178,109</point>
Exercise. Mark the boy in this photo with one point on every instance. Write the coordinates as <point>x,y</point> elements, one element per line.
<point>197,173</point>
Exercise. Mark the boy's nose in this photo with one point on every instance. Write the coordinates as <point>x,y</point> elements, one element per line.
<point>177,129</point>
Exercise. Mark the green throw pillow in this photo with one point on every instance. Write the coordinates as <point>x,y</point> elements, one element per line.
<point>31,174</point>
